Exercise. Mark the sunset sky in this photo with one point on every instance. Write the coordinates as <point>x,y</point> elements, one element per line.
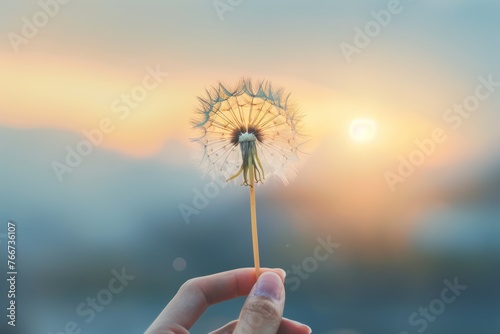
<point>67,76</point>
<point>428,58</point>
<point>75,70</point>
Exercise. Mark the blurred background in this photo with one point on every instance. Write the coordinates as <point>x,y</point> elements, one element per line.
<point>374,79</point>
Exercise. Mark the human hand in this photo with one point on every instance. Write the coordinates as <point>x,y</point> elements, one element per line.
<point>261,313</point>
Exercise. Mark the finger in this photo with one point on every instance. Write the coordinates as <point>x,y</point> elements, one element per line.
<point>263,308</point>
<point>287,326</point>
<point>226,329</point>
<point>197,294</point>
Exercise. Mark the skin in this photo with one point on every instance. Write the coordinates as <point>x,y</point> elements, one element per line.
<point>261,313</point>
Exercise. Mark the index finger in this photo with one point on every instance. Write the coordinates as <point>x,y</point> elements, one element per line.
<point>197,294</point>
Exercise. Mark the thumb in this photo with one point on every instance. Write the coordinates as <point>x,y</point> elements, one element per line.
<point>263,309</point>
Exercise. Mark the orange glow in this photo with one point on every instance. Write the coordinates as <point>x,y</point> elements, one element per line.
<point>43,90</point>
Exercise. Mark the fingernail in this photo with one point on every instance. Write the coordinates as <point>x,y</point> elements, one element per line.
<point>269,285</point>
<point>282,272</point>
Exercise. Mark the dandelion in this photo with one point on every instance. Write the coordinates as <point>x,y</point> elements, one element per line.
<point>248,133</point>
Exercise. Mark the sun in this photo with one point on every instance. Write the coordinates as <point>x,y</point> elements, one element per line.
<point>363,130</point>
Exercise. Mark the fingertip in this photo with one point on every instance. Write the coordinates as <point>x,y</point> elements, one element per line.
<point>303,327</point>
<point>263,310</point>
<point>281,273</point>
<point>269,285</point>
<point>292,326</point>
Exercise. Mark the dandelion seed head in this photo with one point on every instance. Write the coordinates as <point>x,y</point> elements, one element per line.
<point>248,126</point>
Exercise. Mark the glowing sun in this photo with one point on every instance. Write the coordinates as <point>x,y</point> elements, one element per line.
<point>363,130</point>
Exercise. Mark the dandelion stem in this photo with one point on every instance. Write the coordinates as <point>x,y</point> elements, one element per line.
<point>253,217</point>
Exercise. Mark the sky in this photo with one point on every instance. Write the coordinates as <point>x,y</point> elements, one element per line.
<point>127,74</point>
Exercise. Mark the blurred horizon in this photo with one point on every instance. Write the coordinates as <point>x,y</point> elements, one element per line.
<point>119,82</point>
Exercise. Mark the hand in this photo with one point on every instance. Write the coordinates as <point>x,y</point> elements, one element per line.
<point>261,313</point>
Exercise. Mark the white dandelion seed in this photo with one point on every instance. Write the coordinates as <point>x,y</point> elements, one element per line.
<point>248,128</point>
<point>251,132</point>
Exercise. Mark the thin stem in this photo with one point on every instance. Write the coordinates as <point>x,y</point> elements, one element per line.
<point>253,217</point>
